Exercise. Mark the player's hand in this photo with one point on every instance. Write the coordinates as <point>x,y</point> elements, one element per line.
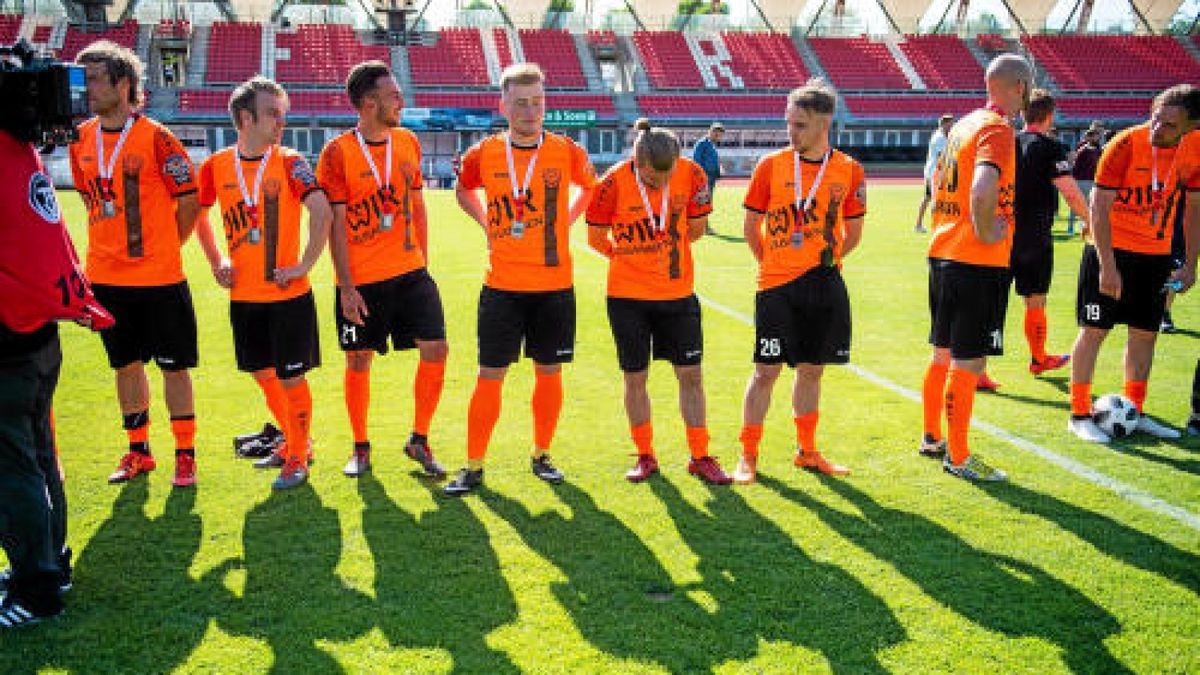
<point>1186,276</point>
<point>224,274</point>
<point>1110,282</point>
<point>284,275</point>
<point>354,308</point>
<point>1085,232</point>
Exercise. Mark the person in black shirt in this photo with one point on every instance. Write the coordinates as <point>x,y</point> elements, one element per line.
<point>1043,171</point>
<point>1083,165</point>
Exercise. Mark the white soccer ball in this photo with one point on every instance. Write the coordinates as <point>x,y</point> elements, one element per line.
<point>1116,415</point>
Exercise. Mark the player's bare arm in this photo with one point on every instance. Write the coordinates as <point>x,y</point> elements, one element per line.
<point>696,227</point>
<point>750,231</point>
<point>852,236</point>
<point>599,240</point>
<point>580,205</point>
<point>1070,191</point>
<point>222,269</point>
<point>420,223</point>
<point>354,308</point>
<point>985,198</point>
<point>320,215</point>
<point>186,208</point>
<point>1101,232</point>
<point>468,201</point>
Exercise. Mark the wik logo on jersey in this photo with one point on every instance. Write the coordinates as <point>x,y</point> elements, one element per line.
<point>42,198</point>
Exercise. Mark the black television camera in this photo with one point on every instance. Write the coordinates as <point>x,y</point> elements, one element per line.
<point>42,100</point>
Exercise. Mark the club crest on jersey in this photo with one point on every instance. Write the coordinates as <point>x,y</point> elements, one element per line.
<point>552,177</point>
<point>703,196</point>
<point>303,173</point>
<point>42,199</point>
<point>178,168</point>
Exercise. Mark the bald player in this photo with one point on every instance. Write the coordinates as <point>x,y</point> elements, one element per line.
<point>968,263</point>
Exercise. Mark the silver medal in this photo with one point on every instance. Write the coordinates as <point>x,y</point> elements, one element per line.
<point>255,235</point>
<point>518,229</point>
<point>109,209</point>
<point>797,238</point>
<point>385,222</point>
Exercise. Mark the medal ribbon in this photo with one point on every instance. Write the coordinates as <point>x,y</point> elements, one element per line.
<point>106,168</point>
<point>518,193</point>
<point>251,200</point>
<point>802,208</point>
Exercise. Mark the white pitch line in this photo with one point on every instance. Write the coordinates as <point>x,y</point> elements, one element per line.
<point>1124,490</point>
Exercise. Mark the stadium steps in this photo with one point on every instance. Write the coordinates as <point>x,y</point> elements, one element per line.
<point>591,71</point>
<point>807,55</point>
<point>629,54</point>
<point>58,34</point>
<point>892,42</point>
<point>198,56</point>
<point>267,63</point>
<point>515,46</point>
<point>145,35</point>
<point>403,73</point>
<point>163,101</point>
<point>626,106</point>
<point>1189,46</point>
<point>28,26</point>
<point>978,53</point>
<point>491,55</point>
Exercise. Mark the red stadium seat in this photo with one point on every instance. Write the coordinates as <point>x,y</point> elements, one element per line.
<point>667,60</point>
<point>1113,62</point>
<point>859,63</point>
<point>10,25</point>
<point>943,61</point>
<point>765,60</point>
<point>1104,107</point>
<point>912,106</point>
<point>456,60</point>
<point>554,51</point>
<point>601,103</point>
<point>658,106</point>
<point>322,54</point>
<point>234,52</point>
<point>124,34</point>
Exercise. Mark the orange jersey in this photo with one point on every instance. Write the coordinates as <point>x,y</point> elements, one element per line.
<point>840,195</point>
<point>1185,173</point>
<point>288,179</point>
<point>983,137</point>
<point>375,253</point>
<point>1127,166</point>
<point>137,243</point>
<point>540,259</point>
<point>647,264</point>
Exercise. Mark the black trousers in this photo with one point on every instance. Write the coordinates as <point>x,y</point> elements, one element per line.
<point>33,513</point>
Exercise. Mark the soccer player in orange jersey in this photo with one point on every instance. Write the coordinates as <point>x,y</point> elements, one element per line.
<point>1125,269</point>
<point>968,263</point>
<point>804,214</point>
<point>526,174</point>
<point>646,213</point>
<point>261,188</point>
<point>139,188</point>
<point>1185,179</point>
<point>380,246</point>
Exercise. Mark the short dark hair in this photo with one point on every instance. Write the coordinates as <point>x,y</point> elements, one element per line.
<point>1185,96</point>
<point>120,62</point>
<point>1040,107</point>
<point>657,147</point>
<point>641,124</point>
<point>816,95</point>
<point>246,93</point>
<point>361,81</point>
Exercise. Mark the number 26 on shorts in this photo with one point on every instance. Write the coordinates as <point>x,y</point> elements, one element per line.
<point>768,347</point>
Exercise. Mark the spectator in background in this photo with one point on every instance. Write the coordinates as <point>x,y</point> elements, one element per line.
<point>705,154</point>
<point>1087,156</point>
<point>937,145</point>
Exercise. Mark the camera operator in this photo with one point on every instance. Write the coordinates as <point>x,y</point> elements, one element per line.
<point>40,283</point>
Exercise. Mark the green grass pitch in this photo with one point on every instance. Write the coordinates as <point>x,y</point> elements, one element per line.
<point>898,567</point>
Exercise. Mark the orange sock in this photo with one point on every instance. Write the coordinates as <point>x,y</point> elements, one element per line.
<point>427,391</point>
<point>750,437</point>
<point>299,400</point>
<point>547,404</point>
<point>1035,332</point>
<point>697,440</point>
<point>960,397</point>
<point>932,393</point>
<point>1081,399</point>
<point>356,385</point>
<point>184,429</point>
<point>1135,390</point>
<point>277,400</point>
<point>482,414</point>
<point>806,431</point>
<point>643,438</point>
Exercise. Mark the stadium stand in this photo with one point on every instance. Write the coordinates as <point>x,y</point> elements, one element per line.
<point>321,54</point>
<point>173,29</point>
<point>1113,62</point>
<point>765,60</point>
<point>555,51</point>
<point>943,61</point>
<point>456,60</point>
<point>10,25</point>
<point>601,103</point>
<point>1084,108</point>
<point>234,52</point>
<point>124,34</point>
<point>710,107</point>
<point>667,60</point>
<point>213,102</point>
<point>858,63</point>
<point>912,106</point>
<point>503,47</point>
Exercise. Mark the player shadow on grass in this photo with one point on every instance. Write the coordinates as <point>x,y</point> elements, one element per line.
<point>437,579</point>
<point>768,588</point>
<point>725,237</point>
<point>1042,401</point>
<point>1139,445</point>
<point>621,598</point>
<point>996,592</point>
<point>1119,541</point>
<point>292,598</point>
<point>133,570</point>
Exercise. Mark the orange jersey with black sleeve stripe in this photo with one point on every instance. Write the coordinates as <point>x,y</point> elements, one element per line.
<point>983,137</point>
<point>138,243</point>
<point>540,259</point>
<point>375,252</point>
<point>1128,166</point>
<point>649,261</point>
<point>287,180</point>
<point>840,195</point>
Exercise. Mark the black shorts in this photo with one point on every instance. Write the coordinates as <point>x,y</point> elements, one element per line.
<point>1031,267</point>
<point>1178,243</point>
<point>280,335</point>
<point>153,322</point>
<point>966,308</point>
<point>544,320</point>
<point>806,320</point>
<point>670,329</point>
<point>405,308</point>
<point>1143,299</point>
